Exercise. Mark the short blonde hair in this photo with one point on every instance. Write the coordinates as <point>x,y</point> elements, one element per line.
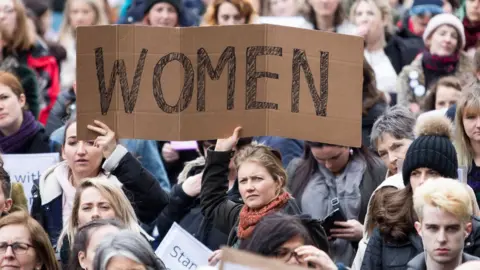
<point>384,8</point>
<point>446,194</point>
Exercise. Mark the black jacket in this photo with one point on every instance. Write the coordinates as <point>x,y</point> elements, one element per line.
<point>382,255</point>
<point>418,263</point>
<point>403,46</point>
<point>37,144</point>
<point>144,192</point>
<point>214,201</point>
<point>61,111</point>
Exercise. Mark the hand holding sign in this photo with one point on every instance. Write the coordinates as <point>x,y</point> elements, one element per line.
<point>215,258</point>
<point>169,153</point>
<point>106,141</point>
<point>227,144</point>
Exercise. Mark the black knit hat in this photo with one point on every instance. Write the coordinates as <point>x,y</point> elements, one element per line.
<point>177,4</point>
<point>432,148</point>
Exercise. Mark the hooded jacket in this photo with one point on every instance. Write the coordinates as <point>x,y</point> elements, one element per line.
<point>144,192</point>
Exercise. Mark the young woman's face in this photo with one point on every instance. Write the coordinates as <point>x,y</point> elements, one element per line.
<point>86,259</point>
<point>420,175</point>
<point>81,14</point>
<point>93,205</point>
<point>11,108</point>
<point>471,124</point>
<point>256,185</point>
<point>473,10</point>
<point>163,14</point>
<point>446,97</point>
<point>324,7</point>
<point>228,14</point>
<point>444,41</point>
<point>334,158</point>
<point>8,16</point>
<point>286,253</point>
<point>369,16</point>
<point>22,255</point>
<point>283,8</point>
<point>82,157</point>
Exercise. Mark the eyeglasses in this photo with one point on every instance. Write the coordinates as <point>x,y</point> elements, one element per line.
<point>17,247</point>
<point>285,254</point>
<point>7,10</point>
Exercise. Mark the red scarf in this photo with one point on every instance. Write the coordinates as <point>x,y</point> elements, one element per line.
<point>49,65</point>
<point>472,33</point>
<point>249,218</point>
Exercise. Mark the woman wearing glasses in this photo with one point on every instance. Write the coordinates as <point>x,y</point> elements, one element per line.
<point>24,244</point>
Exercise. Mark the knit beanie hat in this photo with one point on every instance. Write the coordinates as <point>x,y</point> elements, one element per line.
<point>443,19</point>
<point>426,6</point>
<point>432,148</point>
<point>177,4</point>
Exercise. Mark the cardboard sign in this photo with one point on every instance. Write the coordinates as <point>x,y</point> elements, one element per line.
<point>180,250</point>
<point>233,259</point>
<point>199,83</point>
<point>27,169</point>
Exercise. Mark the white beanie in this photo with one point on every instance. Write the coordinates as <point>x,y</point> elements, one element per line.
<point>442,19</point>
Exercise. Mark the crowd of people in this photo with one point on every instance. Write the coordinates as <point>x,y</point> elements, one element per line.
<point>408,198</point>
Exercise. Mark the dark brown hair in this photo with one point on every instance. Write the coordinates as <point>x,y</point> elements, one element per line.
<point>371,95</point>
<point>396,218</point>
<point>431,98</point>
<point>21,39</point>
<point>375,207</point>
<point>40,241</point>
<point>338,17</point>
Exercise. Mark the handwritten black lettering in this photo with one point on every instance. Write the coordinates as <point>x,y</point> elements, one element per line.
<point>319,100</point>
<point>204,62</point>
<point>252,76</point>
<point>187,90</point>
<point>119,69</point>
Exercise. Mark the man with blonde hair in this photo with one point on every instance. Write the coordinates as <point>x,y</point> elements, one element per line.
<point>444,212</point>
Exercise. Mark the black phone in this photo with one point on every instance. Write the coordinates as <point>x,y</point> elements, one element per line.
<point>329,222</point>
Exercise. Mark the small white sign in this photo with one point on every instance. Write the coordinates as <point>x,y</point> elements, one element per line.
<point>27,169</point>
<point>180,250</point>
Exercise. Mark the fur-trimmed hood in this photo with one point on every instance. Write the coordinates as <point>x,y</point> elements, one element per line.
<point>49,184</point>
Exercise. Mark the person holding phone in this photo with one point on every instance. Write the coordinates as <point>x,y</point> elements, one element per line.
<point>332,178</point>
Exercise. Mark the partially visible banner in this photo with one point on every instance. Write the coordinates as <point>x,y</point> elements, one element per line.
<point>180,250</point>
<point>27,169</point>
<point>233,259</point>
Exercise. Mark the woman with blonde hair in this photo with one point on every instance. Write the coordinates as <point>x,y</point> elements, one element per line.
<point>24,47</point>
<point>373,19</point>
<point>262,184</point>
<point>467,136</point>
<point>229,12</point>
<point>97,198</point>
<point>77,13</point>
<point>24,244</point>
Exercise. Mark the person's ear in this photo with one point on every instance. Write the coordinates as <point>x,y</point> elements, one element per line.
<point>468,229</point>
<point>23,100</point>
<point>82,259</point>
<point>418,228</point>
<point>8,205</point>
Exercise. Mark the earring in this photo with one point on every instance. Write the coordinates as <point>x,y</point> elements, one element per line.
<point>350,151</point>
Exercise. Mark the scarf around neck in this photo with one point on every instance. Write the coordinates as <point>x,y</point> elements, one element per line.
<point>472,33</point>
<point>249,217</point>
<point>14,142</point>
<point>436,66</point>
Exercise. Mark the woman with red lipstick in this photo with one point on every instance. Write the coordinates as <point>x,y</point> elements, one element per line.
<point>20,133</point>
<point>54,197</point>
<point>444,40</point>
